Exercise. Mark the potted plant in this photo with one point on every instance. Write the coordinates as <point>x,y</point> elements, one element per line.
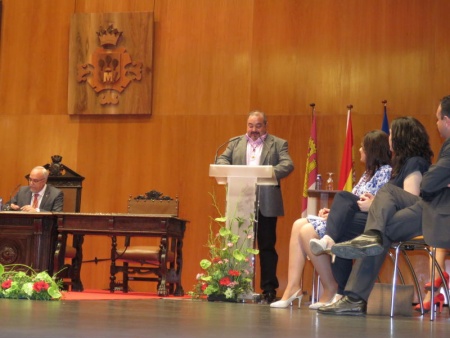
<point>227,273</point>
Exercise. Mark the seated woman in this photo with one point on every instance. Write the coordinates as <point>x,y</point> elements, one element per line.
<point>376,155</point>
<point>411,157</point>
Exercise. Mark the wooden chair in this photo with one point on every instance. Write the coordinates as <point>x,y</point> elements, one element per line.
<point>71,184</point>
<point>138,261</point>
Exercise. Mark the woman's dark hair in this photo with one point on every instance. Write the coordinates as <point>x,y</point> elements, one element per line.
<point>409,138</point>
<point>376,148</point>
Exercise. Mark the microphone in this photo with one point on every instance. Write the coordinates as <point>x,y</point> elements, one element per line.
<point>8,204</point>
<point>230,140</point>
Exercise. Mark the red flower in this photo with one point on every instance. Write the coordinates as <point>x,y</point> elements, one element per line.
<point>234,273</point>
<point>40,286</point>
<point>225,281</point>
<point>6,284</point>
<point>216,260</point>
<point>204,286</point>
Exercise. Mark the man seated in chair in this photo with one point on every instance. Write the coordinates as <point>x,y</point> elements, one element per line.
<point>396,215</point>
<point>38,195</point>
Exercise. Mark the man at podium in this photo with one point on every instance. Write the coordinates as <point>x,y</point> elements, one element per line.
<point>255,148</point>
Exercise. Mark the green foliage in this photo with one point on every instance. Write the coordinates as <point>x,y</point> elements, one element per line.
<point>229,269</point>
<point>22,282</point>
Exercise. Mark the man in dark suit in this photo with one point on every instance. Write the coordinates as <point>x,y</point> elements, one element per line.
<point>396,215</point>
<point>38,195</point>
<point>257,147</point>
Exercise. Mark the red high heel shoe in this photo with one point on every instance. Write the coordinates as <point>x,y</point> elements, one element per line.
<point>438,300</point>
<point>437,282</point>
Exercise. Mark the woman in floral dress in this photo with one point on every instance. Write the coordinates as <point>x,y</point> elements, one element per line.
<point>375,153</point>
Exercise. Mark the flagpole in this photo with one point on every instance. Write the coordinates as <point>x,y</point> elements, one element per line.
<point>350,107</point>
<point>349,112</point>
<point>313,110</point>
<point>311,163</point>
<point>385,123</point>
<point>311,172</point>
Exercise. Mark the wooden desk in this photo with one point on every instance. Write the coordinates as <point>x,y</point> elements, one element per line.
<point>113,225</point>
<point>28,238</point>
<point>324,196</point>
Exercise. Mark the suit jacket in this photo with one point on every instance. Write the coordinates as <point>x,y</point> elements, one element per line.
<point>275,153</point>
<point>436,200</point>
<point>52,200</point>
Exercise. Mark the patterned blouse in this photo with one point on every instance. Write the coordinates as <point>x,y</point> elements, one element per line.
<point>380,178</point>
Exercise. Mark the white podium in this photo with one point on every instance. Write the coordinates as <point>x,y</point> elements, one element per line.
<point>242,181</point>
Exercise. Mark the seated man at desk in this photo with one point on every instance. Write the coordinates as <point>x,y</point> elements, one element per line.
<point>38,195</point>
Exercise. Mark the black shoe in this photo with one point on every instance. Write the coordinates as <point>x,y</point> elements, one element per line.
<point>269,296</point>
<point>344,307</point>
<point>361,246</point>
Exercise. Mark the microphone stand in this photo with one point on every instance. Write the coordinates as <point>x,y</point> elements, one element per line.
<point>217,151</point>
<point>7,206</point>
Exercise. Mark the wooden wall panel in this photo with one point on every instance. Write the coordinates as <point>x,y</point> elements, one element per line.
<point>30,140</point>
<point>130,66</point>
<point>215,60</point>
<point>34,57</point>
<point>214,44</point>
<point>95,6</point>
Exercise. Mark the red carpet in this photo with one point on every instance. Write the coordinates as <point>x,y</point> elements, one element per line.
<point>118,295</point>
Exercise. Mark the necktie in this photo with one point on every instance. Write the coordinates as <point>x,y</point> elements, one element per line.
<point>35,201</point>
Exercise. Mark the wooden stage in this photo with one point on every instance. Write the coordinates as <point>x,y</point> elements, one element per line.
<point>183,317</point>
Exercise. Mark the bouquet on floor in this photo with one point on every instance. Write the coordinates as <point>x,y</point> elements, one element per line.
<point>228,272</point>
<point>22,282</point>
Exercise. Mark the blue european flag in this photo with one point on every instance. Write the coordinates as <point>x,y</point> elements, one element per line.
<point>385,125</point>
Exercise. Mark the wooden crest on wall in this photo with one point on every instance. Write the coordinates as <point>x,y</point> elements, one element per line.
<point>110,63</point>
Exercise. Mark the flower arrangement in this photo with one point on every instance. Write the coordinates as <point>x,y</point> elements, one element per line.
<point>228,272</point>
<point>27,284</point>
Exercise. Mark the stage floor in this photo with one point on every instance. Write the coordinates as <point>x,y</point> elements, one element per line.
<point>195,318</point>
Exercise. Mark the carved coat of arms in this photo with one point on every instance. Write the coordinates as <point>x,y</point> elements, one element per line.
<point>110,64</point>
<point>111,68</point>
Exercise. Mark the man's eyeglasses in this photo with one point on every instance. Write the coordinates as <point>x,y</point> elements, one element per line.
<point>33,180</point>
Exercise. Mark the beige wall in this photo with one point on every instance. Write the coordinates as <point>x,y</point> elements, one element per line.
<point>215,60</point>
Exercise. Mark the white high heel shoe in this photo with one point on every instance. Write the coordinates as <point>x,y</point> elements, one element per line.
<point>289,301</point>
<point>320,247</point>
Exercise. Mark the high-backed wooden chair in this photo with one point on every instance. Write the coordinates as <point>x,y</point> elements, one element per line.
<point>151,263</point>
<point>70,182</point>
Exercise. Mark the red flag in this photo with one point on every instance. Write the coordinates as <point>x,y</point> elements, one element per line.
<point>346,173</point>
<point>311,165</point>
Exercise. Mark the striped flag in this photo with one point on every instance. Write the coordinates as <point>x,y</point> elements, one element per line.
<point>346,173</point>
<point>385,124</point>
<point>311,164</point>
